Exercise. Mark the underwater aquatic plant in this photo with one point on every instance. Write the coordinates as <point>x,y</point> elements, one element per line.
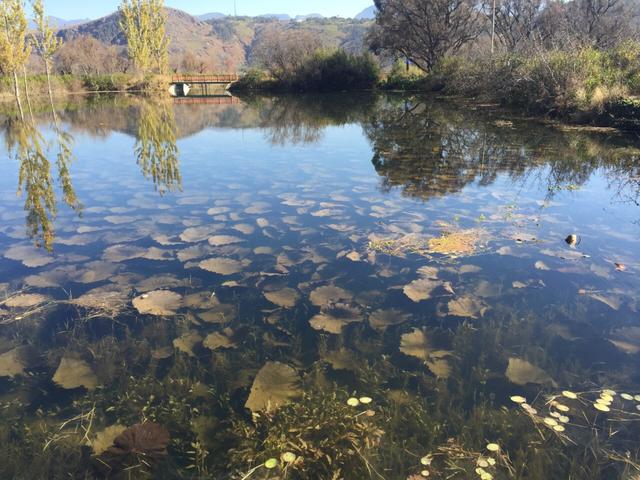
<point>140,446</point>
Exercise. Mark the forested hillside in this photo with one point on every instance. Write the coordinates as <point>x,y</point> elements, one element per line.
<point>217,45</point>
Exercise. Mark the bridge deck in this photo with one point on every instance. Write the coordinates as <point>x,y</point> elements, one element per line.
<point>194,79</point>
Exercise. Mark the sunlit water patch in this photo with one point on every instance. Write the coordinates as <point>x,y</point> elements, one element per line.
<point>331,287</point>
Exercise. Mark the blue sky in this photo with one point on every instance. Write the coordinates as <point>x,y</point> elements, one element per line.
<point>75,9</point>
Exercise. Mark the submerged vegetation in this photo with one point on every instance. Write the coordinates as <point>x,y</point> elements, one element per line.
<point>420,320</point>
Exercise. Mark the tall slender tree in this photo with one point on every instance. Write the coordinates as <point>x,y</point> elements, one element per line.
<point>144,24</point>
<point>45,42</point>
<point>14,47</point>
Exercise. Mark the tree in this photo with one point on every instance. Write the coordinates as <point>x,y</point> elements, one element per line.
<point>424,31</point>
<point>283,52</point>
<point>45,41</point>
<point>87,56</point>
<point>515,20</point>
<point>144,25</point>
<point>601,23</point>
<point>14,48</point>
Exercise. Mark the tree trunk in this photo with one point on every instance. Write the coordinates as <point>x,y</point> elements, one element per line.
<point>53,108</point>
<point>16,90</point>
<point>26,91</point>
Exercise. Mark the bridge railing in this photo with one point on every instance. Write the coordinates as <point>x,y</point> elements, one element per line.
<point>226,78</point>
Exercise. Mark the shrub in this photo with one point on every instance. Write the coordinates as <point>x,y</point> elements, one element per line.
<point>335,70</point>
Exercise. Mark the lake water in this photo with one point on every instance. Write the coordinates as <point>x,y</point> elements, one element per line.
<point>326,287</point>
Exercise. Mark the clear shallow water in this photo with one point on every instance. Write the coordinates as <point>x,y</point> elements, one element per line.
<point>236,273</point>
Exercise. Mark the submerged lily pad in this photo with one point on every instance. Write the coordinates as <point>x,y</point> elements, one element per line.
<point>221,266</point>
<point>324,295</point>
<point>160,303</point>
<point>218,340</point>
<point>381,319</point>
<point>334,316</point>
<point>275,385</point>
<point>222,240</point>
<point>74,373</point>
<point>104,439</point>
<point>187,342</point>
<point>418,344</point>
<point>423,289</point>
<point>14,362</point>
<point>467,307</point>
<point>521,372</point>
<point>29,256</point>
<point>286,298</point>
<point>26,300</point>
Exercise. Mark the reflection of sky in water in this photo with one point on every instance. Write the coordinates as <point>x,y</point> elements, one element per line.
<point>529,294</point>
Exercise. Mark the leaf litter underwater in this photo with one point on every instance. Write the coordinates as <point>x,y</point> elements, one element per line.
<point>337,287</point>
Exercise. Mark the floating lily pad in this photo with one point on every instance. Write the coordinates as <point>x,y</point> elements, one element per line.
<point>74,373</point>
<point>275,385</point>
<point>286,298</point>
<point>221,266</point>
<point>160,303</point>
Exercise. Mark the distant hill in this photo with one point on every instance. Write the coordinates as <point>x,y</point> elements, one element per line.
<point>210,16</point>
<point>283,17</point>
<point>302,18</point>
<point>58,23</point>
<point>367,13</point>
<point>225,43</point>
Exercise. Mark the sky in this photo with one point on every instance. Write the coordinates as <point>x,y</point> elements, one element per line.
<point>80,9</point>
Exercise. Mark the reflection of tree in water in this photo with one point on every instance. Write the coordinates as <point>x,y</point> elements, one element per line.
<point>428,150</point>
<point>36,180</point>
<point>300,120</point>
<point>156,149</point>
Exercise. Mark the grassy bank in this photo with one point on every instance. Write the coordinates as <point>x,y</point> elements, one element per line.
<point>585,86</point>
<point>72,84</point>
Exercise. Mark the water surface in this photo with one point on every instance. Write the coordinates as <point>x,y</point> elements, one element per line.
<point>355,286</point>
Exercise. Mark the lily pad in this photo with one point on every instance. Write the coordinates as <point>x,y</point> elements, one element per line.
<point>74,373</point>
<point>222,240</point>
<point>324,295</point>
<point>423,288</point>
<point>160,303</point>
<point>29,256</point>
<point>14,362</point>
<point>334,316</point>
<point>286,298</point>
<point>187,342</point>
<point>218,340</point>
<point>221,266</point>
<point>275,385</point>
<point>104,439</point>
<point>467,307</point>
<point>521,372</point>
<point>26,300</point>
<point>381,319</point>
<point>418,344</point>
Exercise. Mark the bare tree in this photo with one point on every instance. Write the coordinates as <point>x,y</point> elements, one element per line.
<point>515,20</point>
<point>425,31</point>
<point>282,52</point>
<point>87,56</point>
<point>600,23</point>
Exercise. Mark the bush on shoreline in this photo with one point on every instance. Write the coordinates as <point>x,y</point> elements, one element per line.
<point>323,71</point>
<point>584,84</point>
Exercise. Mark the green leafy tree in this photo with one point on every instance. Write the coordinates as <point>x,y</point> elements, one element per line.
<point>14,47</point>
<point>45,41</point>
<point>144,24</point>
